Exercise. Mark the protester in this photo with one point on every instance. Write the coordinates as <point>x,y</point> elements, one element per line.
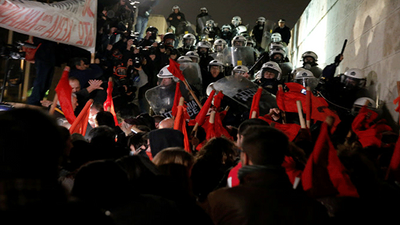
<point>212,166</point>
<point>265,194</point>
<point>159,161</point>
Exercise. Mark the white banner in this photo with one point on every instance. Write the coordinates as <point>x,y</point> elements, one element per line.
<point>70,22</point>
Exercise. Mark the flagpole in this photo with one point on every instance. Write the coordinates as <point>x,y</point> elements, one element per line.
<point>53,106</point>
<point>283,114</point>
<point>300,111</point>
<point>398,94</point>
<point>80,116</point>
<point>309,108</point>
<point>192,93</point>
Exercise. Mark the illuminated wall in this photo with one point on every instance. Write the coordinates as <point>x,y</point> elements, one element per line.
<point>372,28</point>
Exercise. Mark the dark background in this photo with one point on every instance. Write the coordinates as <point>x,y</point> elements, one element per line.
<point>222,11</point>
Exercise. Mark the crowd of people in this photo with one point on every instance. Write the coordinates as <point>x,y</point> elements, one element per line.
<point>138,167</point>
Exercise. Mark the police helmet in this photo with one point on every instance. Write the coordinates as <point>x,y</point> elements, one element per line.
<point>272,67</point>
<point>216,62</point>
<point>276,37</point>
<point>239,39</point>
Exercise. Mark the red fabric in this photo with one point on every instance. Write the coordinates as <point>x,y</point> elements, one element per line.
<point>178,95</point>
<point>209,129</point>
<point>368,132</point>
<point>180,124</point>
<point>108,105</point>
<point>64,93</point>
<point>233,175</point>
<point>308,105</point>
<point>201,117</point>
<point>393,171</point>
<point>220,130</point>
<point>174,69</point>
<point>30,52</point>
<point>320,110</point>
<point>290,129</point>
<point>286,101</point>
<point>80,124</point>
<point>149,155</point>
<point>397,100</point>
<point>218,99</point>
<point>290,167</point>
<point>324,174</point>
<point>255,103</point>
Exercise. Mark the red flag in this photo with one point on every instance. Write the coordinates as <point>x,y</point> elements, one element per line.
<point>233,179</point>
<point>178,95</point>
<point>393,171</point>
<point>255,104</point>
<point>290,129</point>
<point>64,93</point>
<point>220,130</point>
<point>214,127</point>
<point>324,174</point>
<point>290,167</point>
<point>80,124</point>
<point>201,117</point>
<point>286,101</point>
<point>180,123</point>
<point>109,103</point>
<point>369,135</point>
<point>174,69</point>
<point>217,100</point>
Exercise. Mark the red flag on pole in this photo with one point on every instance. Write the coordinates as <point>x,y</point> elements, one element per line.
<point>209,126</point>
<point>80,124</point>
<point>324,174</point>
<point>218,99</point>
<point>64,93</point>
<point>109,103</point>
<point>178,95</point>
<point>393,171</point>
<point>174,69</point>
<point>255,109</point>
<point>201,117</point>
<point>180,123</point>
<point>286,101</point>
<point>369,132</point>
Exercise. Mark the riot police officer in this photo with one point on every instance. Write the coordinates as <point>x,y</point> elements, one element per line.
<point>214,73</point>
<point>310,59</point>
<point>188,44</point>
<point>270,77</point>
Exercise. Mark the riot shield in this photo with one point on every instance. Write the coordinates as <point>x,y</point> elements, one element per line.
<point>266,38</point>
<point>191,71</point>
<point>241,91</point>
<point>201,23</point>
<point>317,72</point>
<point>161,100</point>
<point>234,56</point>
<point>308,82</point>
<point>218,56</point>
<point>287,69</point>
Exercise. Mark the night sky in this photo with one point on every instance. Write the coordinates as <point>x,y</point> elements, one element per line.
<point>222,11</point>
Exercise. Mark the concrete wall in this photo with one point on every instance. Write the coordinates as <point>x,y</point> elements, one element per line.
<point>372,28</point>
